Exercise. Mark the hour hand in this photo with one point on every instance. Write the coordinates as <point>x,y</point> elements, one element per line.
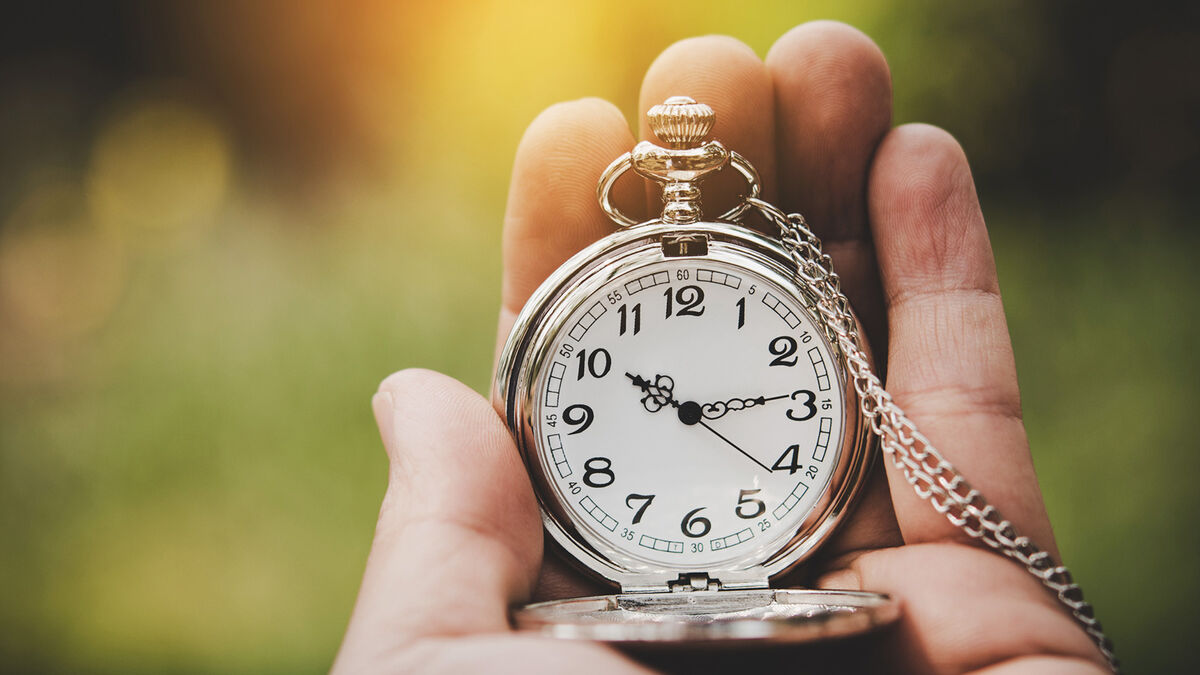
<point>658,394</point>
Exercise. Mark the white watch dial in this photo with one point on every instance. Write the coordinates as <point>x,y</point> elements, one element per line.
<point>689,416</point>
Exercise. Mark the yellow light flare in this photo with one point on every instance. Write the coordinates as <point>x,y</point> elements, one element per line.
<point>160,170</point>
<point>59,277</point>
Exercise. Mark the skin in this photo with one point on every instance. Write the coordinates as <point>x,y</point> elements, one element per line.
<point>459,540</point>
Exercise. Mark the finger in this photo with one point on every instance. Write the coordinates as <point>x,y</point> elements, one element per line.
<point>967,609</point>
<point>951,362</point>
<point>458,538</point>
<point>833,97</point>
<point>833,104</point>
<point>559,579</point>
<point>729,77</point>
<point>552,208</point>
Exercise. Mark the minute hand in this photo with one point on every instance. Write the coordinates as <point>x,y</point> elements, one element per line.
<point>661,394</point>
<point>718,409</point>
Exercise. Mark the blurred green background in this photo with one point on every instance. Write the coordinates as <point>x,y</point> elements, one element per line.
<point>221,224</point>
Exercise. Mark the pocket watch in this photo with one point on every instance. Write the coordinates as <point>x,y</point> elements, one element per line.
<point>697,411</point>
<point>685,419</point>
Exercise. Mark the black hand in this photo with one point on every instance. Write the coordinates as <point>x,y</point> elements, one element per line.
<point>658,395</point>
<point>661,394</point>
<point>718,409</point>
<point>734,446</point>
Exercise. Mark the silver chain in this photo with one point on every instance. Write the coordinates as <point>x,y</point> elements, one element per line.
<point>931,476</point>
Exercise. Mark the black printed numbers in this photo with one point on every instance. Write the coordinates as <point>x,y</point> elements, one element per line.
<point>641,510</point>
<point>598,472</point>
<point>807,399</point>
<point>789,460</point>
<point>748,507</point>
<point>626,314</point>
<point>578,415</point>
<point>685,301</point>
<point>784,349</point>
<point>695,526</point>
<point>597,363</point>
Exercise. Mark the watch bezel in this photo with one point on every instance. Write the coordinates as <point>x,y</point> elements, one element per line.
<point>529,345</point>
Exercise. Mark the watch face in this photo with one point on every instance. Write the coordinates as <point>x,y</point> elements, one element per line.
<point>688,415</point>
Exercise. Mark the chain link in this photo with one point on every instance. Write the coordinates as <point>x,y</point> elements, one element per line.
<point>931,476</point>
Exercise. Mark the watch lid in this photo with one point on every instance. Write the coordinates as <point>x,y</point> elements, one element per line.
<point>695,617</point>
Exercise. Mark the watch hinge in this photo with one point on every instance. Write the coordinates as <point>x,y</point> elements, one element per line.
<point>687,583</point>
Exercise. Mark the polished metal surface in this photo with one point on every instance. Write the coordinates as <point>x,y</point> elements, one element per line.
<point>529,347</point>
<point>682,124</point>
<point>660,619</point>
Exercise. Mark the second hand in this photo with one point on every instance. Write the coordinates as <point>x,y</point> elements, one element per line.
<point>733,445</point>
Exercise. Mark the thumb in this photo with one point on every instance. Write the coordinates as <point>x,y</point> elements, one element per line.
<point>458,538</point>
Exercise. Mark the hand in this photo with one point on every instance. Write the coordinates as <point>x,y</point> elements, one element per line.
<point>717,410</point>
<point>658,394</point>
<point>661,393</point>
<point>459,540</point>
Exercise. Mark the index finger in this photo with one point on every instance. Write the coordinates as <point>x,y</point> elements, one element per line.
<point>552,208</point>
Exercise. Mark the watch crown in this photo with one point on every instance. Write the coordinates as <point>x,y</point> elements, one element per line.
<point>680,121</point>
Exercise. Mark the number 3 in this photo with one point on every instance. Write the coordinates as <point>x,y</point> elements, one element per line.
<point>808,403</point>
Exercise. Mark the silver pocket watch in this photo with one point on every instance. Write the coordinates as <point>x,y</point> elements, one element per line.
<point>697,411</point>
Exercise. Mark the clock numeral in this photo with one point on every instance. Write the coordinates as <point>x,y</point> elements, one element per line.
<point>597,364</point>
<point>574,487</point>
<point>598,466</point>
<point>792,457</point>
<point>745,500</point>
<point>826,404</point>
<point>811,471</point>
<point>637,318</point>
<point>741,305</point>
<point>808,404</point>
<point>695,526</point>
<point>784,348</point>
<point>578,414</point>
<point>688,297</point>
<point>646,499</point>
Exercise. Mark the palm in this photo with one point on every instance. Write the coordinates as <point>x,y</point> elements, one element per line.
<point>897,211</point>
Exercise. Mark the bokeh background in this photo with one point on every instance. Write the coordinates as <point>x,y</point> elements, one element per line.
<point>222,223</point>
